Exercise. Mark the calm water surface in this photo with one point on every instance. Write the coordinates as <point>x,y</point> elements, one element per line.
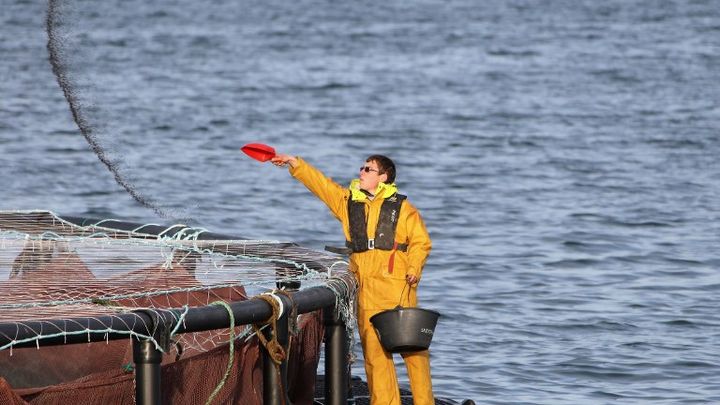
<point>563,153</point>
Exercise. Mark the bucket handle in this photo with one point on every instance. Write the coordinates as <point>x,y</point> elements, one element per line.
<point>403,293</point>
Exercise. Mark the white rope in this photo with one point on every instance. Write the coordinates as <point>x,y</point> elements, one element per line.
<point>278,300</point>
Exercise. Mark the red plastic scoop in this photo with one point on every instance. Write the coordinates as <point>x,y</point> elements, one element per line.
<point>259,151</point>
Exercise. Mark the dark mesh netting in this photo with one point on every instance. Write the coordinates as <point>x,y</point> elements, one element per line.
<point>186,381</point>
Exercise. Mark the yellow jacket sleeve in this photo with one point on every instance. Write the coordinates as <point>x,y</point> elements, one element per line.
<point>329,192</point>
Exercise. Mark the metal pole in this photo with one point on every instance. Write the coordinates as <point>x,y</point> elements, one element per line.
<point>274,385</point>
<point>147,372</point>
<point>337,376</point>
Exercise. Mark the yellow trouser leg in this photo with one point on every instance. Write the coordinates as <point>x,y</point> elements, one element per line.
<point>418,367</point>
<point>379,366</point>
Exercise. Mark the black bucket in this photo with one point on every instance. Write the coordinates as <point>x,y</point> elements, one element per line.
<point>403,330</point>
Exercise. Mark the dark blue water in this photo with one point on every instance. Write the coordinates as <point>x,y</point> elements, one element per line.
<point>563,153</point>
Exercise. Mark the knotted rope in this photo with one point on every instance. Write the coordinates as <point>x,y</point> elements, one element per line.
<point>277,352</point>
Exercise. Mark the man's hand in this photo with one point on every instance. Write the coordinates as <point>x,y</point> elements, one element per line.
<point>411,279</point>
<point>282,160</point>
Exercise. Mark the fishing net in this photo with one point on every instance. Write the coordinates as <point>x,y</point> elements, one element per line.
<point>55,269</point>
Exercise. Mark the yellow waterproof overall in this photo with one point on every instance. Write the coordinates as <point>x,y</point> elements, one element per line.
<point>381,279</point>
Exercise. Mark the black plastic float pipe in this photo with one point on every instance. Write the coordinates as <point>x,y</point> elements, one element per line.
<point>337,376</point>
<point>53,332</point>
<point>148,357</point>
<point>68,331</point>
<point>148,229</point>
<point>147,360</point>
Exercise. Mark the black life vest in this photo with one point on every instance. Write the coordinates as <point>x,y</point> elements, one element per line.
<point>385,232</point>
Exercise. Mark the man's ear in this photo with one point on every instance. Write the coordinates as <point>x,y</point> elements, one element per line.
<point>383,178</point>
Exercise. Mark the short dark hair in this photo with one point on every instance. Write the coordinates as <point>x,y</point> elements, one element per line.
<point>385,165</point>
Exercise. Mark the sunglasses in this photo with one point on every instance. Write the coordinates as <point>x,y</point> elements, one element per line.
<point>368,169</point>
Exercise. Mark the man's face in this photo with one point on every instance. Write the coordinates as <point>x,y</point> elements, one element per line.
<point>370,176</point>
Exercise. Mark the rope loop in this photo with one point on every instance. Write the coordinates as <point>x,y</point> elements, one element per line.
<point>277,352</point>
<point>231,355</point>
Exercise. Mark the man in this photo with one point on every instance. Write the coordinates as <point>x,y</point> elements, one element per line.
<point>389,245</point>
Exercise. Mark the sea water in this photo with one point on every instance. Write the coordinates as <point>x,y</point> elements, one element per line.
<point>564,156</point>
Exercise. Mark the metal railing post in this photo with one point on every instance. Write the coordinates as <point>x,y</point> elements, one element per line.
<point>147,360</point>
<point>337,375</point>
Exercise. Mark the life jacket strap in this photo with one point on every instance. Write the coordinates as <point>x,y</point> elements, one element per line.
<point>403,247</point>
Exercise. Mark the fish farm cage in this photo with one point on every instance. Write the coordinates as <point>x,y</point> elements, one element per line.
<point>108,311</point>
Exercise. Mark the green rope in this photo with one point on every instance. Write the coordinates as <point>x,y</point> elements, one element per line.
<point>180,320</point>
<point>231,358</point>
<point>37,338</point>
<point>100,301</point>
